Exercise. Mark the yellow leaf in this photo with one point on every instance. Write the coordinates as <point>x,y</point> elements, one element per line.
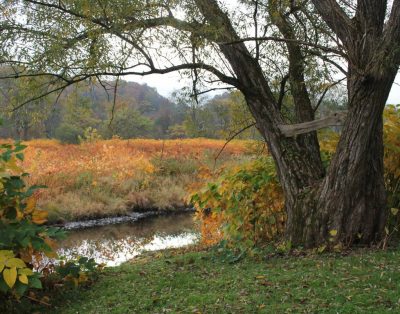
<point>10,276</point>
<point>333,233</point>
<point>83,277</point>
<point>338,247</point>
<point>51,243</point>
<point>321,249</point>
<point>75,281</point>
<point>260,277</point>
<point>25,271</point>
<point>6,254</point>
<point>15,262</point>
<point>51,254</point>
<point>23,278</point>
<point>12,165</point>
<point>39,217</point>
<point>30,205</point>
<point>1,267</point>
<point>394,211</point>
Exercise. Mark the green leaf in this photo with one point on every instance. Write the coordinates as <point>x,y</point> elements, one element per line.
<point>20,288</point>
<point>34,282</point>
<point>20,156</point>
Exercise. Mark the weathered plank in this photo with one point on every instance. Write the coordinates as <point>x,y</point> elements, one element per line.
<point>335,119</point>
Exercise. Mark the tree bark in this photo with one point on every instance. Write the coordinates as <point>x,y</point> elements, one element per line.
<point>350,203</point>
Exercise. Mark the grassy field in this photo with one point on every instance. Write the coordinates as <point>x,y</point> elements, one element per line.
<point>203,282</point>
<point>106,178</point>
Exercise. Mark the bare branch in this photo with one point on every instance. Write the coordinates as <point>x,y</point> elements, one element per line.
<point>282,91</point>
<point>336,18</point>
<point>212,90</point>
<point>392,31</point>
<point>280,39</point>
<point>326,91</point>
<point>232,137</point>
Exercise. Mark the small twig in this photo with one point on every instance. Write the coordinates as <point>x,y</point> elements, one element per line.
<point>325,91</point>
<point>37,300</point>
<point>230,139</point>
<point>162,150</point>
<point>282,91</point>
<point>114,101</point>
<point>211,90</point>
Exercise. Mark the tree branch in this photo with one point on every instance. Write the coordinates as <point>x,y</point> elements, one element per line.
<point>325,91</point>
<point>392,31</point>
<point>232,137</point>
<point>79,78</point>
<point>279,39</point>
<point>282,91</point>
<point>336,18</point>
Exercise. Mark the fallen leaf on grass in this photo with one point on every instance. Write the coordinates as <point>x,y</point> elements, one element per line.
<point>266,283</point>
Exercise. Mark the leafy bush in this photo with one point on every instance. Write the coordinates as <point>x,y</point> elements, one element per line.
<point>15,274</point>
<point>89,135</point>
<point>67,133</point>
<point>174,166</point>
<point>391,135</point>
<point>23,238</point>
<point>78,271</point>
<point>247,200</point>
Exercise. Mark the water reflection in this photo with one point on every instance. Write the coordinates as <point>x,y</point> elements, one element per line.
<point>115,244</point>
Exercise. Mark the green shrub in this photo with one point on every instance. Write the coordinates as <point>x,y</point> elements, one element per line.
<point>246,201</point>
<point>23,237</point>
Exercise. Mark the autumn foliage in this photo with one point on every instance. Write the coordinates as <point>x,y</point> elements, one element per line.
<point>100,178</point>
<point>243,205</point>
<point>23,238</point>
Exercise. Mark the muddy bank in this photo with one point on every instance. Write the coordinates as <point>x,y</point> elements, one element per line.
<point>131,217</point>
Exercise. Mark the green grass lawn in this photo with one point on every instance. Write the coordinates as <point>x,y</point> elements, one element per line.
<point>202,282</point>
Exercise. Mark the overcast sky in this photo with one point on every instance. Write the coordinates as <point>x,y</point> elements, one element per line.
<point>167,83</point>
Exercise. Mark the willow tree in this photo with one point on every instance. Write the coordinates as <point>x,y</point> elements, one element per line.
<point>243,45</point>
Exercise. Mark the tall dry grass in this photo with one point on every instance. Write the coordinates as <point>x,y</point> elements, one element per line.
<point>112,177</point>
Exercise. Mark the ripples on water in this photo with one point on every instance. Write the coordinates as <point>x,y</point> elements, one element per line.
<point>115,244</point>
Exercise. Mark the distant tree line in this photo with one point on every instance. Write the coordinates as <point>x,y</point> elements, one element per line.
<point>137,111</point>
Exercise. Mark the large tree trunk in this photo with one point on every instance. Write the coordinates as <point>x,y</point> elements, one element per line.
<point>350,204</point>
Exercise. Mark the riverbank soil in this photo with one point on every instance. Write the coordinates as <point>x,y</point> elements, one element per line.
<point>363,281</point>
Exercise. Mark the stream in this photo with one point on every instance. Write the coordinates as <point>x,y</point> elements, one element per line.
<point>117,243</point>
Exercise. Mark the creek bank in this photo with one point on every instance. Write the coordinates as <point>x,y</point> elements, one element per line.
<point>111,220</point>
